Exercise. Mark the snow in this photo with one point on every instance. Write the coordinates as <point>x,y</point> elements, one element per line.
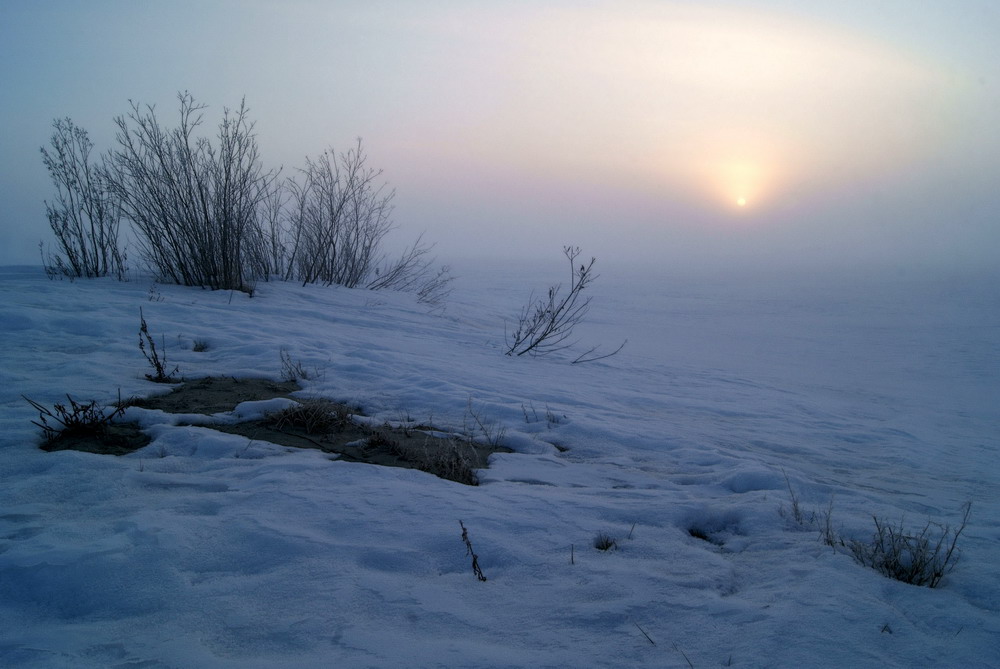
<point>206,550</point>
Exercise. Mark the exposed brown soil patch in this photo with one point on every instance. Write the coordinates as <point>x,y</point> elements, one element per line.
<point>451,458</point>
<point>215,394</point>
<point>313,423</point>
<point>113,439</point>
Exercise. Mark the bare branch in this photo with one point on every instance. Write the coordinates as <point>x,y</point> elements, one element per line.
<point>587,357</point>
<point>546,324</point>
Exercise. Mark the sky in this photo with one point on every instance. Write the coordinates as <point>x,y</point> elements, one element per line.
<point>739,133</point>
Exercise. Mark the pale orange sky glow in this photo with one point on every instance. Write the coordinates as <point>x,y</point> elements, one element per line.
<point>727,103</point>
<point>697,106</point>
<point>517,127</point>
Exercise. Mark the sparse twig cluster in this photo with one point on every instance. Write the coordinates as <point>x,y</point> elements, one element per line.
<point>339,215</point>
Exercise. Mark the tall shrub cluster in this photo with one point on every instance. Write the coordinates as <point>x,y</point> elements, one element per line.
<point>208,213</point>
<point>195,206</point>
<point>339,216</point>
<point>84,215</point>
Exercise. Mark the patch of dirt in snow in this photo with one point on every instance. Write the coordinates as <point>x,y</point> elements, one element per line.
<point>115,439</point>
<point>215,394</point>
<point>313,423</point>
<point>449,457</point>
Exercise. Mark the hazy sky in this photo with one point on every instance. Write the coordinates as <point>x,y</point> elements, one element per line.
<point>856,132</point>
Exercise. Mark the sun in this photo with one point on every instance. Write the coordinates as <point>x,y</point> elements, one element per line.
<point>741,201</point>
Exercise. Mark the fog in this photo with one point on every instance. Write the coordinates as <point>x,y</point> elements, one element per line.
<point>630,129</point>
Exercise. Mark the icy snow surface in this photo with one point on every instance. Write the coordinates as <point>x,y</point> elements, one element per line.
<point>206,550</point>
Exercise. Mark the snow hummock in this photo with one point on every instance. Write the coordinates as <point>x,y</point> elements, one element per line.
<point>205,549</point>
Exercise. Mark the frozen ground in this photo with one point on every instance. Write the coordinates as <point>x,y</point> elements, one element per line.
<point>206,550</point>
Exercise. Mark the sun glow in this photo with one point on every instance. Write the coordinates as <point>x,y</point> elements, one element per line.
<point>712,112</point>
<point>743,183</point>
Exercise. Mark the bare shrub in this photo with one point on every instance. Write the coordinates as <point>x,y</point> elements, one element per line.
<point>921,558</point>
<point>546,324</point>
<point>271,251</point>
<point>207,213</point>
<point>414,272</point>
<point>340,214</point>
<point>85,215</point>
<point>195,205</point>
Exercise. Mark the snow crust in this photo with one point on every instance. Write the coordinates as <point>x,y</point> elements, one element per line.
<point>206,550</point>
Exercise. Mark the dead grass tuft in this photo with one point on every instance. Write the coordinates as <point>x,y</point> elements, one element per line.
<point>312,416</point>
<point>921,558</point>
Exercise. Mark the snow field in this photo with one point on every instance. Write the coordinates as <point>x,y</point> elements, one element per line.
<point>204,550</point>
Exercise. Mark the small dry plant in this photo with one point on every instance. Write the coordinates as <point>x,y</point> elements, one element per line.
<point>451,462</point>
<point>797,512</point>
<point>604,542</point>
<point>293,370</point>
<point>921,558</point>
<point>452,459</point>
<point>158,362</point>
<point>468,551</point>
<point>531,415</point>
<point>477,426</point>
<point>383,440</point>
<point>75,419</point>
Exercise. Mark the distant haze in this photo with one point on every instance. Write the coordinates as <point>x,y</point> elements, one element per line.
<point>858,134</point>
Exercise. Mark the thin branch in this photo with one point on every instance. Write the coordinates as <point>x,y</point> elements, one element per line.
<point>583,357</point>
